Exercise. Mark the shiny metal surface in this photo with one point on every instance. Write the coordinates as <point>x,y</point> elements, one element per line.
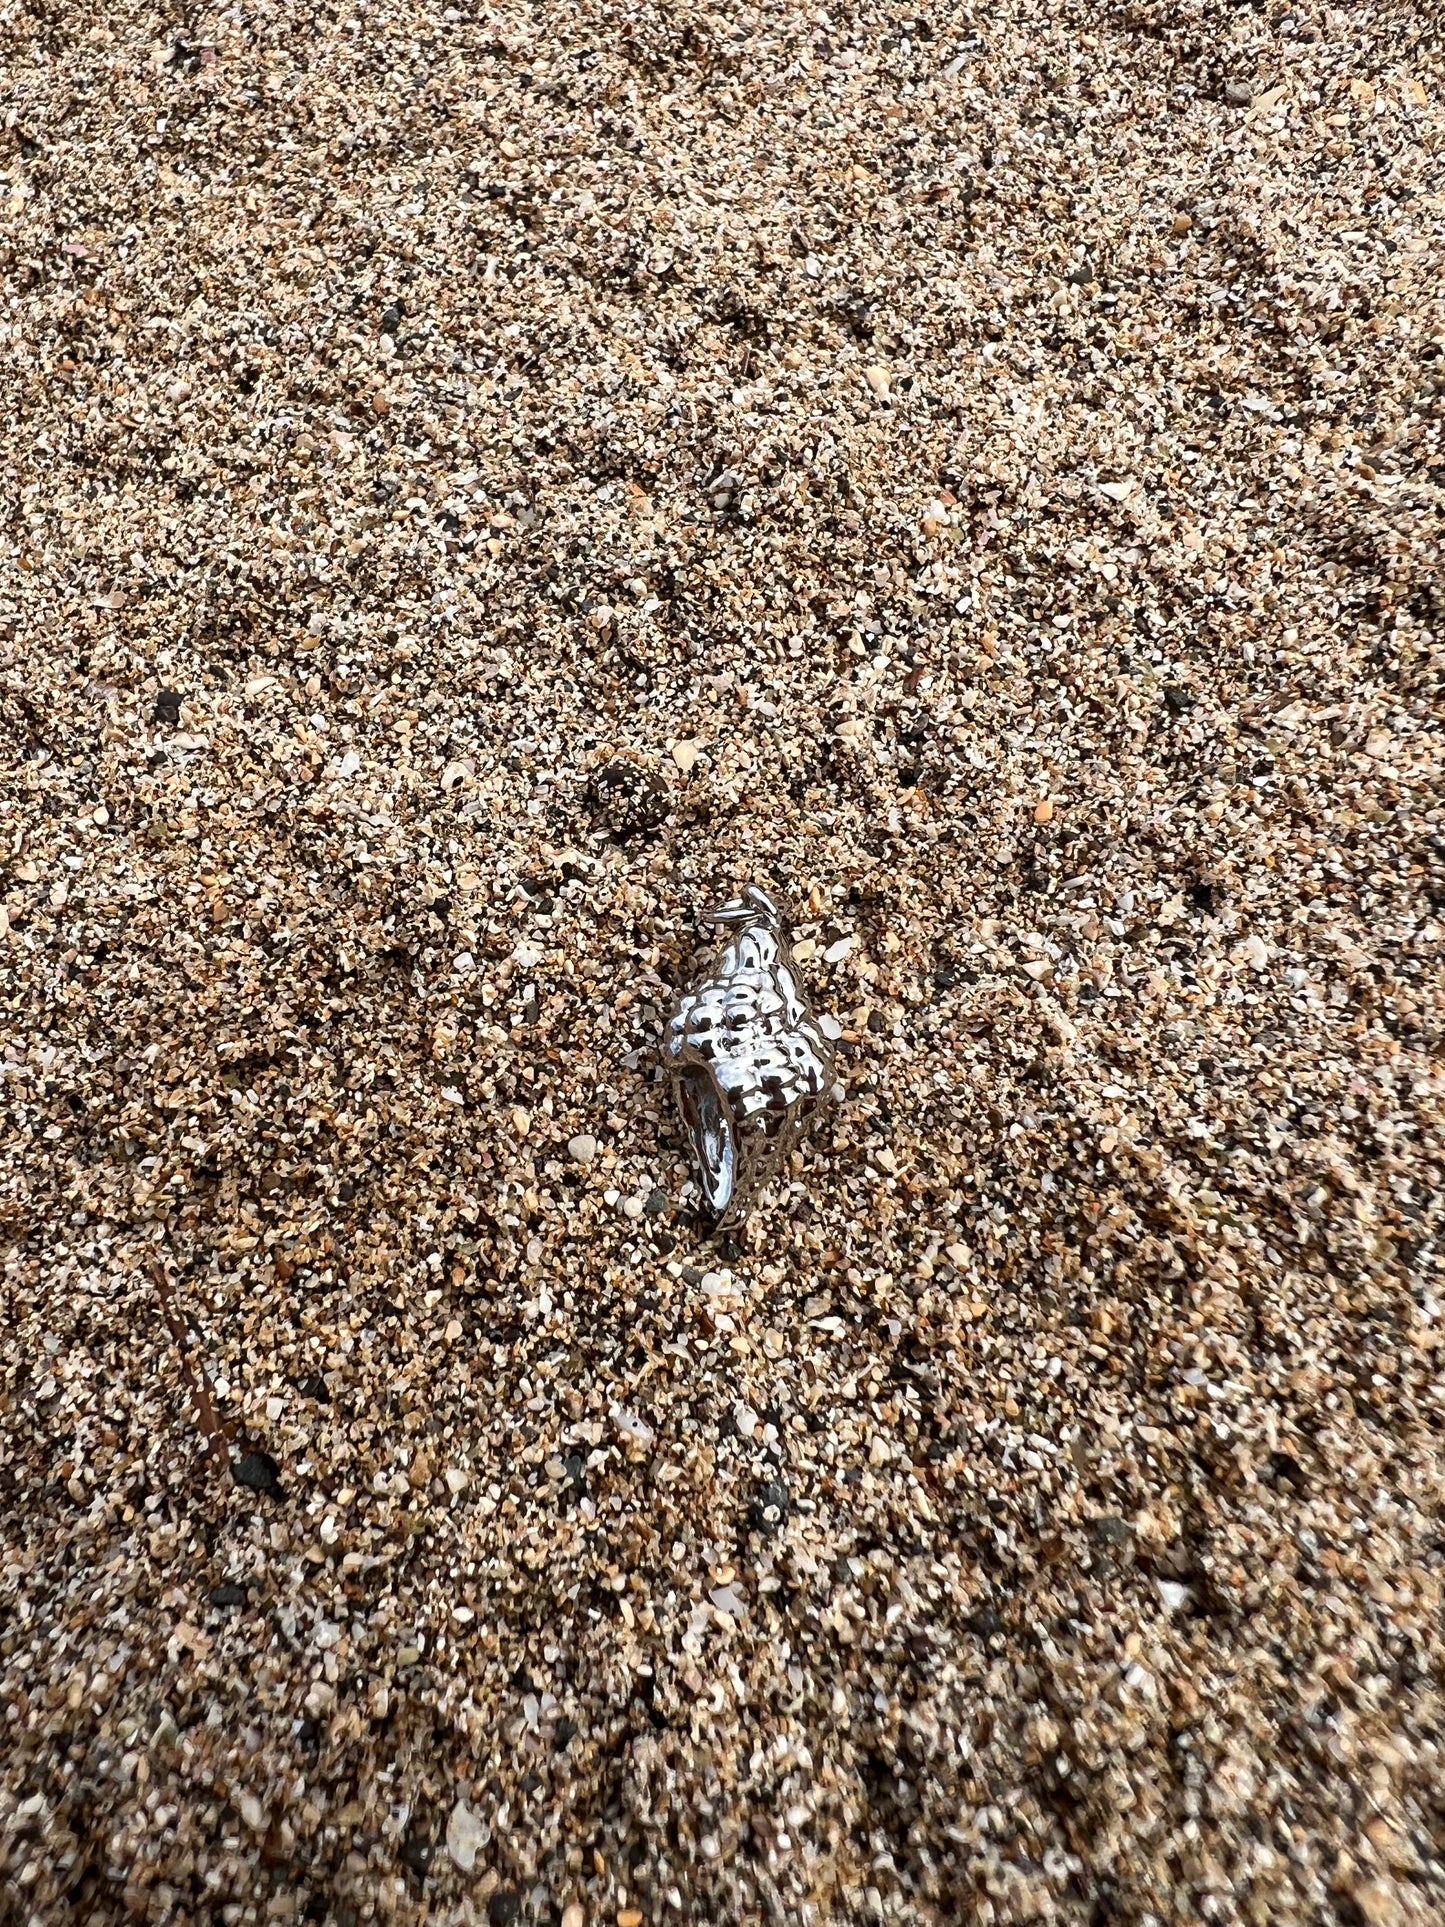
<point>750,1067</point>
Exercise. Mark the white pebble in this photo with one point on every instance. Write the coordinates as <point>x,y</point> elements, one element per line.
<point>464,1836</point>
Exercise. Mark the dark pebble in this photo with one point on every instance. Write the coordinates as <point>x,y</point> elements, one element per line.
<point>770,1507</point>
<point>416,1852</point>
<point>168,707</point>
<point>228,1595</point>
<point>259,1471</point>
<point>1284,1465</point>
<point>1113,1531</point>
<point>656,1203</point>
<point>627,798</point>
<point>503,1908</point>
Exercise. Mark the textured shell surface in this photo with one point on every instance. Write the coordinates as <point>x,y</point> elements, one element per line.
<point>750,1065</point>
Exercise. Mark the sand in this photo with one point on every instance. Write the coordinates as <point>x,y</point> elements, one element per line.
<point>479,489</point>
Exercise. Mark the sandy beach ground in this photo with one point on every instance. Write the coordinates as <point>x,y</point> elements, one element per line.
<point>477,488</point>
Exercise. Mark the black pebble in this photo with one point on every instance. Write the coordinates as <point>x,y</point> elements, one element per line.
<point>503,1908</point>
<point>770,1508</point>
<point>228,1595</point>
<point>259,1471</point>
<point>1113,1530</point>
<point>1284,1465</point>
<point>168,706</point>
<point>416,1853</point>
<point>566,1730</point>
<point>656,1203</point>
<point>1201,895</point>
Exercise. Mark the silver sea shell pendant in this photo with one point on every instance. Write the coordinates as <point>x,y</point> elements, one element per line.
<point>749,1063</point>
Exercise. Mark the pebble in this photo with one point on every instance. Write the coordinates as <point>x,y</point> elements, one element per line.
<point>771,1506</point>
<point>582,1149</point>
<point>465,1836</point>
<point>259,1472</point>
<point>632,1428</point>
<point>417,1852</point>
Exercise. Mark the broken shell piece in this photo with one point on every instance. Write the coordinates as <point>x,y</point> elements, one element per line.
<point>750,1065</point>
